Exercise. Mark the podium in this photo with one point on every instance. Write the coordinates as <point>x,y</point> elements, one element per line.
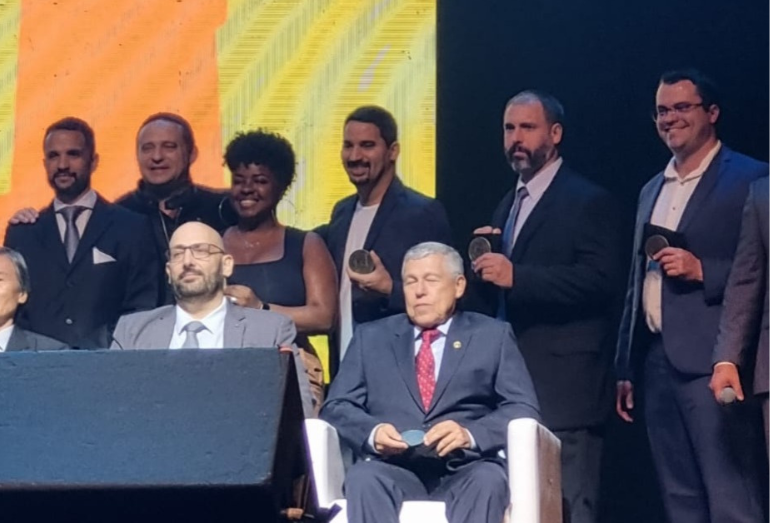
<point>149,435</point>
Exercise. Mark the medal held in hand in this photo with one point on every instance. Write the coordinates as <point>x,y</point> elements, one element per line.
<point>478,247</point>
<point>361,262</point>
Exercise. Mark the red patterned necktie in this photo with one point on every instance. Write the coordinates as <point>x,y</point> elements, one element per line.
<point>426,367</point>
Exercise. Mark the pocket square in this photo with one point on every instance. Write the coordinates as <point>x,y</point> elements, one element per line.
<point>101,257</point>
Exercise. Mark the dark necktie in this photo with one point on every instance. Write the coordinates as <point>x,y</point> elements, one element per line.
<point>191,334</point>
<point>426,367</point>
<point>510,223</point>
<point>71,234</point>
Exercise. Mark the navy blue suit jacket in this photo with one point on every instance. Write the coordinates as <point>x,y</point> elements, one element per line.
<point>80,303</point>
<point>710,226</point>
<point>483,383</point>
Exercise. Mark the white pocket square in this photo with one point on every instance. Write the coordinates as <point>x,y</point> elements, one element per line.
<point>101,257</point>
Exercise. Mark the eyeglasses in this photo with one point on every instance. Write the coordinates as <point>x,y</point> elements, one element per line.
<point>680,108</point>
<point>199,251</point>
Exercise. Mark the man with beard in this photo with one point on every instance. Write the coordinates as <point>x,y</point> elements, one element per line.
<point>89,260</point>
<point>165,149</point>
<point>556,282</point>
<point>197,269</point>
<point>384,218</point>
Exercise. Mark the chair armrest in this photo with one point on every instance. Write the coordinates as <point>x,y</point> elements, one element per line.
<point>534,473</point>
<point>325,461</point>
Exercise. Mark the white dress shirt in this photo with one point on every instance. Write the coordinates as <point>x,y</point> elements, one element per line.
<point>88,200</point>
<point>359,230</point>
<point>536,187</point>
<point>5,337</point>
<point>669,208</point>
<point>212,337</point>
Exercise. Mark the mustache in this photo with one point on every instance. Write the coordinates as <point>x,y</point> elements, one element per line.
<point>352,164</point>
<point>190,271</point>
<point>517,149</point>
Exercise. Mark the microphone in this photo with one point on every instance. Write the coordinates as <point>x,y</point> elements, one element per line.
<point>727,396</point>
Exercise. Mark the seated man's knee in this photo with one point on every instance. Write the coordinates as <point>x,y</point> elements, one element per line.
<point>487,479</point>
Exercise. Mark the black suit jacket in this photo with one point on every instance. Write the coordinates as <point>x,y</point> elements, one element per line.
<point>404,219</point>
<point>482,384</point>
<point>25,340</point>
<point>565,297</point>
<point>80,303</point>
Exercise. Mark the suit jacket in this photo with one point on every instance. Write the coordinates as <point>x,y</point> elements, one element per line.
<point>113,272</point>
<point>482,384</point>
<point>743,337</point>
<point>710,226</point>
<point>564,301</point>
<point>25,340</point>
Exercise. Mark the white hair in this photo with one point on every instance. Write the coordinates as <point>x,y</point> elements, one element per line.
<point>451,257</point>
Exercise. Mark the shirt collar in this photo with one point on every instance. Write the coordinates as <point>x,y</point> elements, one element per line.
<point>88,200</point>
<point>443,329</point>
<point>5,337</point>
<point>541,180</point>
<point>670,172</point>
<point>211,321</point>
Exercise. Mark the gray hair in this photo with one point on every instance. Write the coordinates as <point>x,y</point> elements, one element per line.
<point>451,257</point>
<point>22,273</point>
<point>553,109</point>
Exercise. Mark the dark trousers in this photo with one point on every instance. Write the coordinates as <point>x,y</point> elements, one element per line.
<point>581,454</point>
<point>707,455</point>
<point>476,493</point>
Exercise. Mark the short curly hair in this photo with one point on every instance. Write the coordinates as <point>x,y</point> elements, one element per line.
<point>262,147</point>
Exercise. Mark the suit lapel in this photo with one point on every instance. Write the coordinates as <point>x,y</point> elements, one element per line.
<point>160,331</point>
<point>502,211</point>
<point>100,220</point>
<point>388,204</point>
<point>50,239</point>
<point>403,350</point>
<point>455,347</point>
<point>538,215</point>
<point>235,327</point>
<point>18,340</point>
<point>704,188</point>
<point>342,229</point>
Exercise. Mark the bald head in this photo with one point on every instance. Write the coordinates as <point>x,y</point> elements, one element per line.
<point>198,267</point>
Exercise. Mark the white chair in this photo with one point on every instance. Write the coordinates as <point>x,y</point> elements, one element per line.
<point>534,475</point>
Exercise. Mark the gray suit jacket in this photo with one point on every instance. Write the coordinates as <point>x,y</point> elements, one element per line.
<point>244,327</point>
<point>743,328</point>
<point>25,340</point>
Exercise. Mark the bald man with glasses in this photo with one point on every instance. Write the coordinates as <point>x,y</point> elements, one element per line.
<point>203,318</point>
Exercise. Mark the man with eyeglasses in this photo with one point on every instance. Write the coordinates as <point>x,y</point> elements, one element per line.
<point>203,318</point>
<point>687,228</point>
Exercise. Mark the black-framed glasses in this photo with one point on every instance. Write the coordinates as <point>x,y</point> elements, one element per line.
<point>199,251</point>
<point>681,108</point>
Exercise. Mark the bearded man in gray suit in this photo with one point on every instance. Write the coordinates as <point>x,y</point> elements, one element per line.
<point>203,318</point>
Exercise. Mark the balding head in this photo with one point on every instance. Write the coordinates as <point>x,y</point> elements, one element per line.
<point>197,266</point>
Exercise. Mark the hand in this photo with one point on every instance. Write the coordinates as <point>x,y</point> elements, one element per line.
<point>487,229</point>
<point>495,268</point>
<point>679,263</point>
<point>243,296</point>
<point>379,280</point>
<point>388,441</point>
<point>725,375</point>
<point>25,215</point>
<point>447,436</point>
<point>286,350</point>
<point>624,400</point>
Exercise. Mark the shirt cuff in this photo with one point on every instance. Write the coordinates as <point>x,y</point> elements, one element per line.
<point>473,440</point>
<point>717,364</point>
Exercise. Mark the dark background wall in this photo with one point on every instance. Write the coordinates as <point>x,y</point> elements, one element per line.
<point>602,59</point>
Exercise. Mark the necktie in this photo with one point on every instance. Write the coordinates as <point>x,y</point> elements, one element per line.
<point>510,228</point>
<point>426,367</point>
<point>510,223</point>
<point>191,334</point>
<point>71,234</point>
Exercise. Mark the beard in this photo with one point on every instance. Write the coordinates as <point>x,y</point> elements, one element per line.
<point>76,188</point>
<point>534,161</point>
<point>203,288</point>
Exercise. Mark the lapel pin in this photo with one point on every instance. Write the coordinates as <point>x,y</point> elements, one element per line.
<point>457,345</point>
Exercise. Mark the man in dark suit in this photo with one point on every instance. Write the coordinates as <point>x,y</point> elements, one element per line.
<point>89,260</point>
<point>555,281</point>
<point>14,292</point>
<point>704,454</point>
<point>456,379</point>
<point>384,217</point>
<point>742,341</point>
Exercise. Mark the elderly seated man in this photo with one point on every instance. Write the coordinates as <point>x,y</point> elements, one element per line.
<point>203,318</point>
<point>425,399</point>
<point>14,292</point>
